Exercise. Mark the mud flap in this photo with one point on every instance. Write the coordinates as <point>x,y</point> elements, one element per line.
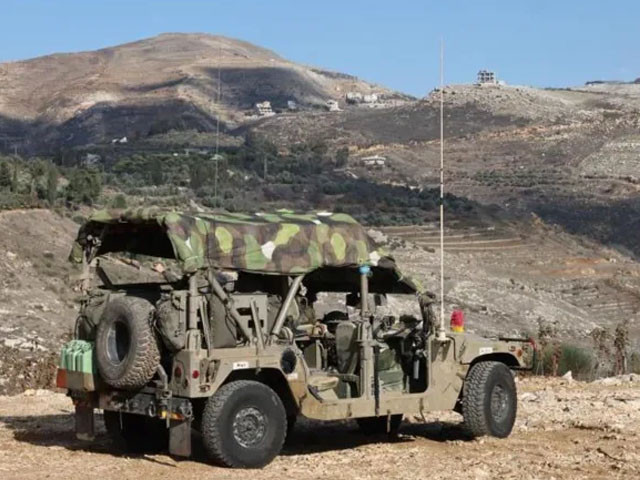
<point>180,438</point>
<point>85,425</point>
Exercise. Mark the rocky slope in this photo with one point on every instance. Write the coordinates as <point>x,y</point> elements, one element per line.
<point>37,310</point>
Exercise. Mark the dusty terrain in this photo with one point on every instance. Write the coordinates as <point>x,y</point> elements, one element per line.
<point>565,429</point>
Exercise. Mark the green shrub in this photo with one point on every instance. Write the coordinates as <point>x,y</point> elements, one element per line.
<point>579,360</point>
<point>119,201</point>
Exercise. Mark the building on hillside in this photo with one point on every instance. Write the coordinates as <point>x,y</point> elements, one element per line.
<point>292,106</point>
<point>487,77</point>
<point>91,159</point>
<point>353,97</point>
<point>357,97</point>
<point>332,106</point>
<point>263,109</point>
<point>370,98</point>
<point>374,161</point>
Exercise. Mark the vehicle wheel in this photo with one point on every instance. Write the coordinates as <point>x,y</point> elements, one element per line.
<point>378,425</point>
<point>136,433</point>
<point>244,425</point>
<point>127,350</point>
<point>489,400</point>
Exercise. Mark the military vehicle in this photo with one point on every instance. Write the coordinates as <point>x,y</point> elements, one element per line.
<point>231,344</point>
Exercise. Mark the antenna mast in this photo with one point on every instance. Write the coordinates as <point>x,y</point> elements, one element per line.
<point>217,156</point>
<point>441,334</point>
<point>218,98</point>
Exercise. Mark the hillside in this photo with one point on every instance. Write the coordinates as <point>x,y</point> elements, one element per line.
<point>509,277</point>
<point>569,155</point>
<point>543,184</point>
<point>152,86</point>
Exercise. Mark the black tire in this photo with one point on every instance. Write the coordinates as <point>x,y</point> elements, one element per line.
<point>127,350</point>
<point>136,433</point>
<point>244,425</point>
<point>378,425</point>
<point>489,400</point>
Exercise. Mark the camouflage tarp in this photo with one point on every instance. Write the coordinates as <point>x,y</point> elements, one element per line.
<point>277,243</point>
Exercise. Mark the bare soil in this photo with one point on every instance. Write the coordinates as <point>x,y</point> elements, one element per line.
<point>565,429</point>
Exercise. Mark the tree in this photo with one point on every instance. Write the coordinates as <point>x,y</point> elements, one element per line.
<point>200,173</point>
<point>85,186</point>
<point>157,176</point>
<point>5,175</point>
<point>52,184</point>
<point>36,169</point>
<point>14,179</point>
<point>342,157</point>
<point>119,201</point>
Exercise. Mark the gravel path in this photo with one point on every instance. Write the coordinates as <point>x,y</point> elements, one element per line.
<point>565,429</point>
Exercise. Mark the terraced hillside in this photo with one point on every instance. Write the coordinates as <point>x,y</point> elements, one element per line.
<point>508,277</point>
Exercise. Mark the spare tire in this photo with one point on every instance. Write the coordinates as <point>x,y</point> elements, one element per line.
<point>127,350</point>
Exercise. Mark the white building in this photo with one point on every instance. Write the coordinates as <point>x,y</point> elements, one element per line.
<point>374,161</point>
<point>487,77</point>
<point>263,109</point>
<point>332,106</point>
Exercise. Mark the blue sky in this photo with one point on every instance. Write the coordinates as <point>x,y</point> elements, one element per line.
<point>394,43</point>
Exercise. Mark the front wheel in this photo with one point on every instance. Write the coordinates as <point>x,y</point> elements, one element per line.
<point>489,400</point>
<point>244,425</point>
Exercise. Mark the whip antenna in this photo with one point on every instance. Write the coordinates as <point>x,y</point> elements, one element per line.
<point>218,98</point>
<point>441,334</point>
<point>216,157</point>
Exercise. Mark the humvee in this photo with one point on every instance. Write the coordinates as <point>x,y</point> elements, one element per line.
<point>231,344</point>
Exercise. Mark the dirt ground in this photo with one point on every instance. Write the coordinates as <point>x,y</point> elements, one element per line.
<point>565,429</point>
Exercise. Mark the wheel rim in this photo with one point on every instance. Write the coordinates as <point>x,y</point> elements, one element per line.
<point>118,342</point>
<point>499,403</point>
<point>249,427</point>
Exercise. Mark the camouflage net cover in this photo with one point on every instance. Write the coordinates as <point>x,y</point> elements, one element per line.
<point>277,243</point>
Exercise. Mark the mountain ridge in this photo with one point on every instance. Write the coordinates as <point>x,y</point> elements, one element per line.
<point>163,82</point>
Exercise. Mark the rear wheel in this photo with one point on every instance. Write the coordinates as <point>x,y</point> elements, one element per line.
<point>244,425</point>
<point>136,433</point>
<point>489,400</point>
<point>380,425</point>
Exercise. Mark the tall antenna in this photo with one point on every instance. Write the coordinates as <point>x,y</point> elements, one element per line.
<point>217,156</point>
<point>218,99</point>
<point>441,330</point>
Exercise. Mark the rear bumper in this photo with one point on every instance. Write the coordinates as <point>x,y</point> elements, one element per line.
<point>147,404</point>
<point>177,412</point>
<point>143,403</point>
